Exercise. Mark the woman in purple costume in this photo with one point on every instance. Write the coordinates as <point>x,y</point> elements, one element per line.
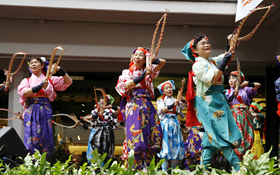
<point>36,95</point>
<point>142,126</point>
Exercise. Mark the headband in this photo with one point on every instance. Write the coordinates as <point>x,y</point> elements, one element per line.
<point>256,106</point>
<point>161,86</point>
<point>241,75</point>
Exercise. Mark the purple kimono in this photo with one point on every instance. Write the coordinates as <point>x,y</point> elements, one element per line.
<point>142,126</point>
<point>38,132</point>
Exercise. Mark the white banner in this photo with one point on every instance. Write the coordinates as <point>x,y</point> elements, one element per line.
<point>244,7</point>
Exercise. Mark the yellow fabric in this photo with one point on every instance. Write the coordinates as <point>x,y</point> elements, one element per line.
<point>258,145</point>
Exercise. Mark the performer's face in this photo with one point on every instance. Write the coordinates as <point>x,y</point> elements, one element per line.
<point>102,102</point>
<point>36,66</point>
<point>203,48</point>
<point>139,58</point>
<point>252,110</point>
<point>168,90</point>
<point>232,81</point>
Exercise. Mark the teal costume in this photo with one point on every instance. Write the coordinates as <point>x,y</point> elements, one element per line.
<point>211,108</point>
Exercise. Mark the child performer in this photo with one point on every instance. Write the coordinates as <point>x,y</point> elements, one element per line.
<point>172,139</point>
<point>102,136</point>
<point>259,126</point>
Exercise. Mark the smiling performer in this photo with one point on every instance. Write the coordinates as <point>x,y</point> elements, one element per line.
<point>37,115</point>
<point>239,100</point>
<point>172,139</point>
<point>207,102</point>
<point>142,125</point>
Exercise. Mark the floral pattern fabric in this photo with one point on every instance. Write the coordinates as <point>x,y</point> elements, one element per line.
<point>38,132</point>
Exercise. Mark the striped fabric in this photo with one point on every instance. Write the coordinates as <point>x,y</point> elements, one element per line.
<point>244,121</point>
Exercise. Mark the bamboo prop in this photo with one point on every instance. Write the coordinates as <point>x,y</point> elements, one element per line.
<point>235,40</point>
<point>18,115</point>
<point>154,54</point>
<point>49,72</point>
<point>71,116</point>
<point>86,118</point>
<point>238,75</point>
<point>180,91</point>
<point>101,107</point>
<point>8,73</point>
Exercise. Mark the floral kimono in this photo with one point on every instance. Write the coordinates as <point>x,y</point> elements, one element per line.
<point>142,126</point>
<point>38,132</point>
<point>172,141</point>
<point>212,110</point>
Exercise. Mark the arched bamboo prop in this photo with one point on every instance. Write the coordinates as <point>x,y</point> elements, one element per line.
<point>18,115</point>
<point>154,52</point>
<point>49,71</point>
<point>235,40</point>
<point>71,116</point>
<point>8,73</point>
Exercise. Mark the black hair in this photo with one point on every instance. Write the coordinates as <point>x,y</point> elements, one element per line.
<point>197,38</point>
<point>37,58</point>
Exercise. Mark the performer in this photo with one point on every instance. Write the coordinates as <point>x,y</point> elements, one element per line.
<point>37,115</point>
<point>239,102</point>
<point>102,136</point>
<point>142,126</point>
<point>259,129</point>
<point>277,89</point>
<point>172,139</point>
<point>207,98</point>
<point>193,147</point>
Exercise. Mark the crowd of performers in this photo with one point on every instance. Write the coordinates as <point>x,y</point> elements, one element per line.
<point>217,121</point>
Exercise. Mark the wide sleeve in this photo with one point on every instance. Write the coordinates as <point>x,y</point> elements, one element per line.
<point>179,109</point>
<point>250,93</point>
<point>22,87</point>
<point>217,60</point>
<point>58,83</point>
<point>203,72</point>
<point>160,106</point>
<point>123,78</point>
<point>154,74</point>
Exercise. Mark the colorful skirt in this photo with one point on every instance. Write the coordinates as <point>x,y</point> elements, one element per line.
<point>142,126</point>
<point>244,121</point>
<point>172,139</point>
<point>213,112</point>
<point>38,132</point>
<point>193,148</point>
<point>103,140</point>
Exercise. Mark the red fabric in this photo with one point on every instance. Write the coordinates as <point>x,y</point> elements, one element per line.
<point>239,99</point>
<point>165,84</point>
<point>278,111</point>
<point>120,117</point>
<point>191,119</point>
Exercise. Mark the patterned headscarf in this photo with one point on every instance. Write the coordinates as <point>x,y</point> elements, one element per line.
<point>256,106</point>
<point>161,86</point>
<point>242,76</point>
<point>188,51</point>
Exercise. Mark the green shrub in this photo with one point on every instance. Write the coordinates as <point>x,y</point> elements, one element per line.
<point>37,165</point>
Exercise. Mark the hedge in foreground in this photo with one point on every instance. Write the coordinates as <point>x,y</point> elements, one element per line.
<point>37,165</point>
